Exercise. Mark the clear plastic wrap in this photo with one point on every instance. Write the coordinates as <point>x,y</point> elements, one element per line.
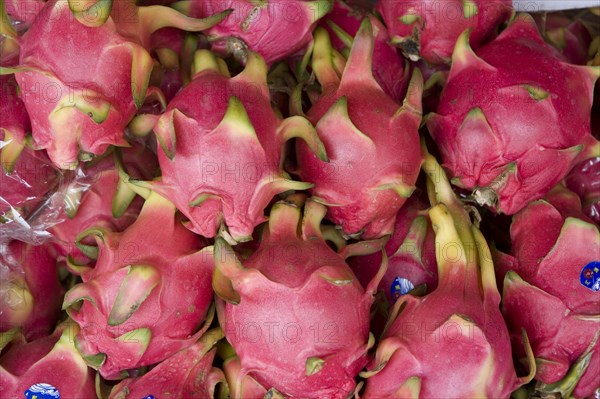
<point>27,217</point>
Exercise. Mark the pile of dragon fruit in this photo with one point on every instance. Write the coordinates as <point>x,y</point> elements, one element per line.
<point>298,199</point>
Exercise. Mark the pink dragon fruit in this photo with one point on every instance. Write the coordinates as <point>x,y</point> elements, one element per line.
<point>311,341</point>
<point>49,364</point>
<point>410,252</point>
<point>500,122</point>
<point>273,29</point>
<point>428,29</point>
<point>241,385</point>
<point>584,179</point>
<point>22,190</point>
<point>107,202</point>
<point>14,124</point>
<point>221,159</point>
<point>571,37</point>
<point>147,294</point>
<point>84,106</point>
<point>24,11</point>
<point>452,343</point>
<point>549,291</point>
<point>372,143</point>
<point>390,69</point>
<point>188,374</point>
<point>33,300</point>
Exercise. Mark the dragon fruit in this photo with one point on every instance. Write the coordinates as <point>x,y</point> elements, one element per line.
<point>187,374</point>
<point>273,29</point>
<point>24,188</point>
<point>571,37</point>
<point>85,106</point>
<point>372,142</point>
<point>14,124</point>
<point>584,179</point>
<point>311,341</point>
<point>410,252</point>
<point>241,385</point>
<point>452,343</point>
<point>107,202</point>
<point>501,123</point>
<point>548,293</point>
<point>390,69</point>
<point>221,159</point>
<point>146,295</point>
<point>24,11</point>
<point>428,29</point>
<point>51,362</point>
<point>32,300</point>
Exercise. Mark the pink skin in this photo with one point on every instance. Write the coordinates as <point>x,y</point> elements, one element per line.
<point>584,179</point>
<point>104,66</point>
<point>520,132</point>
<point>168,284</point>
<point>24,11</point>
<point>14,115</point>
<point>40,273</point>
<point>552,241</point>
<point>53,360</point>
<point>276,30</point>
<point>188,374</point>
<point>389,67</point>
<point>85,106</point>
<point>316,292</point>
<point>415,261</point>
<point>207,147</point>
<point>95,208</point>
<point>571,245</point>
<point>24,180</point>
<point>437,25</point>
<point>456,331</point>
<point>172,39</point>
<point>240,385</point>
<point>371,142</point>
<point>32,177</point>
<point>570,37</point>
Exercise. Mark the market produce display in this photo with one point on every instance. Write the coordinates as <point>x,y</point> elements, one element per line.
<point>319,199</point>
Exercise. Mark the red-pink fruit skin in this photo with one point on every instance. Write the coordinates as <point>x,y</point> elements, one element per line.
<point>103,66</point>
<point>185,375</point>
<point>206,162</point>
<point>176,307</point>
<point>95,207</point>
<point>273,338</point>
<point>531,133</point>
<point>275,30</point>
<point>312,315</point>
<point>405,263</point>
<point>423,338</point>
<point>38,263</point>
<point>24,364</point>
<point>552,242</point>
<point>389,67</point>
<point>359,123</point>
<point>442,22</point>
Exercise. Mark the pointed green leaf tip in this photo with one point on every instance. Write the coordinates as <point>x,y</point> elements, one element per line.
<point>469,8</point>
<point>537,93</point>
<point>226,262</point>
<point>135,288</point>
<point>411,388</point>
<point>314,365</point>
<point>237,121</point>
<point>92,13</point>
<point>141,69</point>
